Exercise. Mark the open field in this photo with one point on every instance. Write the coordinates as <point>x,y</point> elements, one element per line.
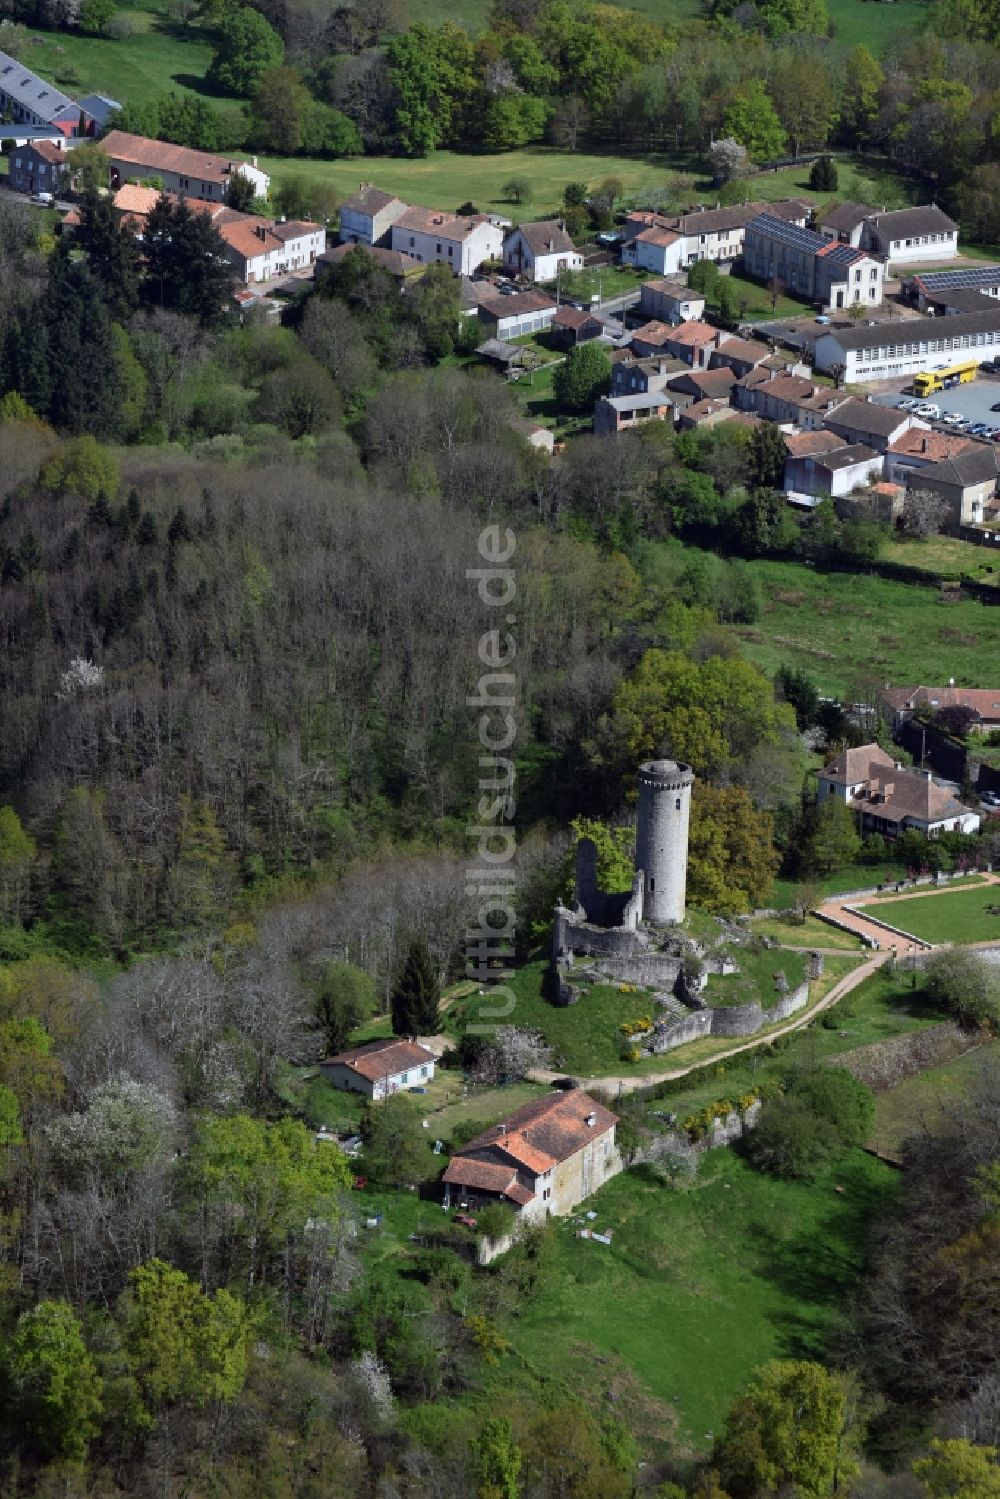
<point>700,1286</point>
<point>852,631</point>
<point>443,179</point>
<point>158,57</point>
<point>948,916</point>
<point>929,1100</point>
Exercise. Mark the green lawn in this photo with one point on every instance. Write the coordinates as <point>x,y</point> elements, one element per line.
<point>929,1100</point>
<point>857,877</point>
<point>851,631</point>
<point>947,916</point>
<point>808,933</point>
<point>753,299</point>
<point>699,1287</point>
<point>158,57</point>
<point>444,179</point>
<point>755,979</point>
<point>944,556</point>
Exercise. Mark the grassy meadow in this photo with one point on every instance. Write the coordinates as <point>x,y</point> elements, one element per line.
<point>159,57</point>
<point>947,916</point>
<point>699,1286</point>
<point>854,631</point>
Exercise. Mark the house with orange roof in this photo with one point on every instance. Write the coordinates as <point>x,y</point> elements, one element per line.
<point>261,248</point>
<point>920,447</point>
<point>380,1068</point>
<point>189,174</point>
<point>545,1158</point>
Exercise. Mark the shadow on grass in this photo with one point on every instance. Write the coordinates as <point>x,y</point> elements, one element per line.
<point>823,1265</point>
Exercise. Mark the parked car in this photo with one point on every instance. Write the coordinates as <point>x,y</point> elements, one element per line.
<point>990,799</point>
<point>43,199</point>
<point>979,429</point>
<point>952,418</point>
<point>927,408</point>
<point>464,1218</point>
<point>907,403</point>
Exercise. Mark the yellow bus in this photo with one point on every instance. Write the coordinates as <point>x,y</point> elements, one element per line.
<point>944,375</point>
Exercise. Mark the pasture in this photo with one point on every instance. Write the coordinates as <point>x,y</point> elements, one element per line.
<point>700,1286</point>
<point>853,631</point>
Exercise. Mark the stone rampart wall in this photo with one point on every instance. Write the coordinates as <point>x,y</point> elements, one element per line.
<point>729,1020</point>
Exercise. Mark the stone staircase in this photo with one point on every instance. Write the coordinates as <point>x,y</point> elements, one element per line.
<point>669,1007</point>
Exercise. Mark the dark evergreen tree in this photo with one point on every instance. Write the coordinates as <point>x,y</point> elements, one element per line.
<point>112,252</point>
<point>766,453</point>
<point>416,995</point>
<point>187,265</point>
<point>823,176</point>
<point>25,355</point>
<point>86,391</point>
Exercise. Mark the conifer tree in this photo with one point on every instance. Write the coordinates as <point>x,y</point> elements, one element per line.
<point>416,995</point>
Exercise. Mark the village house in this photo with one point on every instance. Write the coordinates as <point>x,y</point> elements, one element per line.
<point>39,167</point>
<point>189,174</point>
<point>810,266</point>
<point>811,444</point>
<point>670,300</point>
<point>402,268</point>
<point>367,217</point>
<point>710,412</point>
<point>966,481</point>
<point>890,800</point>
<point>630,375</point>
<point>655,249</point>
<point>691,342</point>
<point>546,1157</point>
<point>260,248</point>
<point>540,250</point>
<point>785,398</point>
<point>741,355</point>
<point>718,233</point>
<point>380,1068</point>
<point>838,471</point>
<point>902,703</point>
<point>866,421</point>
<point>460,241</point>
<point>705,385</point>
<point>919,448</point>
<point>886,351</point>
<point>613,414</point>
<point>571,326</point>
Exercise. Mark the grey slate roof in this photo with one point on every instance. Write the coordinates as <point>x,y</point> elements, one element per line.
<point>546,237</point>
<point>848,457</point>
<point>901,222</point>
<point>369,199</point>
<point>976,464</point>
<point>32,92</point>
<point>882,335</point>
<point>867,416</point>
<point>844,218</point>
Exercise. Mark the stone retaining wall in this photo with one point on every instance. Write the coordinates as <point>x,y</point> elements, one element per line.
<point>729,1020</point>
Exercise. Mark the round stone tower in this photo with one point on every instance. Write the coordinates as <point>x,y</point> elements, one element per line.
<point>662,837</point>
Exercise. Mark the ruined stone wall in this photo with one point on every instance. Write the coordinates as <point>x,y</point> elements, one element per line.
<point>730,1020</point>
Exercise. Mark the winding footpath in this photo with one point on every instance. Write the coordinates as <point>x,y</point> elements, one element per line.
<point>628,1083</point>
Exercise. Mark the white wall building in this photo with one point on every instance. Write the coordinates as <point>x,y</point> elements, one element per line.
<point>886,350</point>
<point>368,216</point>
<point>380,1068</point>
<point>189,174</point>
<point>540,250</point>
<point>460,243</point>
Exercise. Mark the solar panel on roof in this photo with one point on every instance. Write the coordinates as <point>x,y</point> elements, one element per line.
<point>968,276</point>
<point>787,234</point>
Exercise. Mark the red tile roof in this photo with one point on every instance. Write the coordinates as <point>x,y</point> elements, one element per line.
<point>151,156</point>
<point>858,764</point>
<point>378,1059</point>
<point>556,1127</point>
<point>982,700</point>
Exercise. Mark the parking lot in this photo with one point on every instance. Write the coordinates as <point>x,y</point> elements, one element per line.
<point>972,401</point>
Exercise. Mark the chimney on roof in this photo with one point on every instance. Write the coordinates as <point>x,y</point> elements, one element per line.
<point>926,775</point>
<point>923,445</point>
<point>590,1121</point>
<point>261,231</point>
<point>951,681</point>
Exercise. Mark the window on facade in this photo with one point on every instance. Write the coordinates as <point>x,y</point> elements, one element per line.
<point>423,1072</point>
<point>546,1194</point>
<point>404,1077</point>
<point>438,251</point>
<point>412,241</point>
<point>677,805</point>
